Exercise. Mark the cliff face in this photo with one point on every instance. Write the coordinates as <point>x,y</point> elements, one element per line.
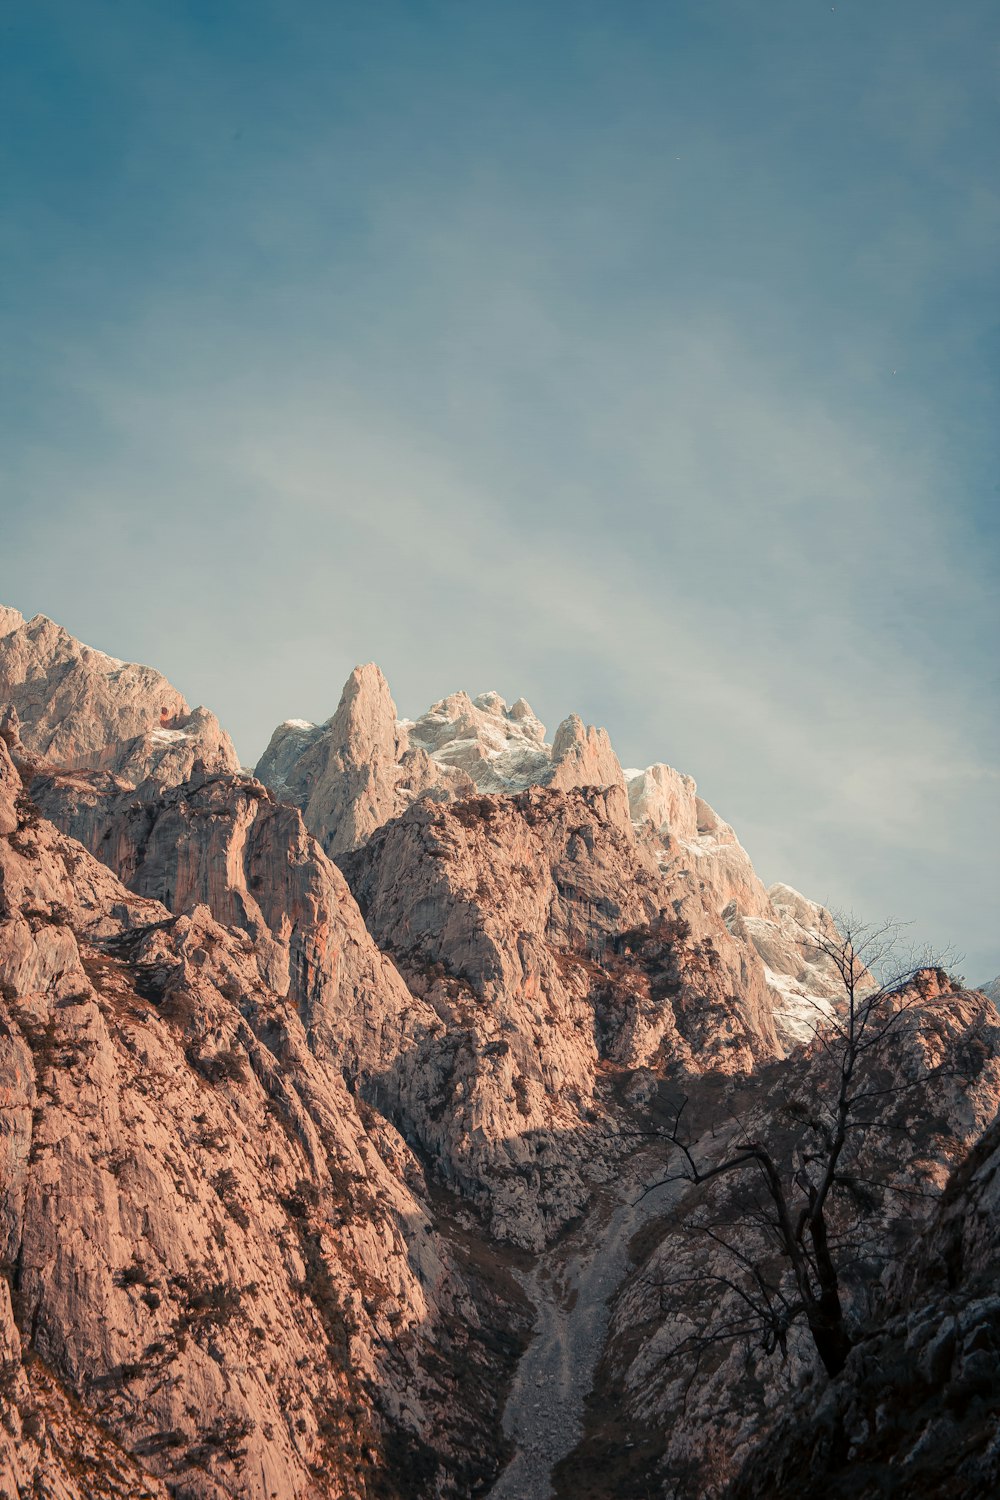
<point>212,1251</point>
<point>667,1374</point>
<point>512,925</point>
<point>542,934</point>
<point>915,1410</point>
<point>223,842</point>
<point>283,1138</point>
<point>364,767</point>
<point>77,707</point>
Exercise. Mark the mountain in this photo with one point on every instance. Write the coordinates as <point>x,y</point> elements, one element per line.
<point>74,706</point>
<point>915,1413</point>
<point>334,1155</point>
<point>365,766</point>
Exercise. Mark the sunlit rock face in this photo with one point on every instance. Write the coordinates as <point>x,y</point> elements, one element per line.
<point>220,1273</point>
<point>356,771</point>
<point>543,934</point>
<point>492,979</point>
<point>78,707</point>
<point>365,766</point>
<point>306,1077</point>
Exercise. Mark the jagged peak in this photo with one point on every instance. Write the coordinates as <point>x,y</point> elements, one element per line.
<point>10,619</point>
<point>572,731</point>
<point>492,703</point>
<point>366,707</point>
<point>367,676</point>
<point>80,707</point>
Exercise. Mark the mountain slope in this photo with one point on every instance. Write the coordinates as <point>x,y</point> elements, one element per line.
<point>75,706</point>
<point>915,1413</point>
<point>295,1149</point>
<point>212,1252</point>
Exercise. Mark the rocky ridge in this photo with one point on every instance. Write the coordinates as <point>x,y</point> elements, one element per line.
<point>74,706</point>
<point>282,1134</point>
<point>214,1257</point>
<point>365,766</point>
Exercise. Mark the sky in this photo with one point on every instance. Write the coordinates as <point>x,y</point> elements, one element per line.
<point>640,359</point>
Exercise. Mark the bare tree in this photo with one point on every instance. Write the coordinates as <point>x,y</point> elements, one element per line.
<point>810,1182</point>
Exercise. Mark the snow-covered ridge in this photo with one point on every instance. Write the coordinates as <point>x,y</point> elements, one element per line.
<point>502,749</point>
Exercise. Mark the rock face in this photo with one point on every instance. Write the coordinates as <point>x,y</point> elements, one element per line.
<point>215,1259</point>
<point>365,766</point>
<point>539,930</point>
<point>78,707</point>
<point>532,940</point>
<point>304,1076</point>
<point>666,1375</point>
<point>696,848</point>
<point>71,706</point>
<point>354,773</point>
<point>915,1410</point>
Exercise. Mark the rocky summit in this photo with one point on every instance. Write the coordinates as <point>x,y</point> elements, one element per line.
<point>441,1110</point>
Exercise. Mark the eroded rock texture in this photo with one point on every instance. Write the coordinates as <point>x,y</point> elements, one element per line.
<point>691,1406</point>
<point>304,1074</point>
<point>365,766</point>
<point>915,1411</point>
<point>78,707</point>
<point>216,1258</point>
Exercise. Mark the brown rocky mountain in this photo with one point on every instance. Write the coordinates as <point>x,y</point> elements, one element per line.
<point>303,1162</point>
<point>74,706</point>
<point>365,766</point>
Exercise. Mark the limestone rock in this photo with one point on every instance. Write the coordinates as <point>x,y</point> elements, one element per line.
<point>518,918</point>
<point>276,1128</point>
<point>535,935</point>
<point>364,766</point>
<point>914,1411</point>
<point>666,1389</point>
<point>223,842</point>
<point>694,845</point>
<point>219,1261</point>
<point>79,707</point>
<point>582,756</point>
<point>356,771</point>
<point>10,619</point>
<point>665,801</point>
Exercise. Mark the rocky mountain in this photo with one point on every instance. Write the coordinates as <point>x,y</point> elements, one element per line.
<point>337,1101</point>
<point>916,1412</point>
<point>216,1259</point>
<point>73,706</point>
<point>365,766</point>
<point>664,1374</point>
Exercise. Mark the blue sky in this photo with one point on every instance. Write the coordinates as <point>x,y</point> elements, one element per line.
<point>641,359</point>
